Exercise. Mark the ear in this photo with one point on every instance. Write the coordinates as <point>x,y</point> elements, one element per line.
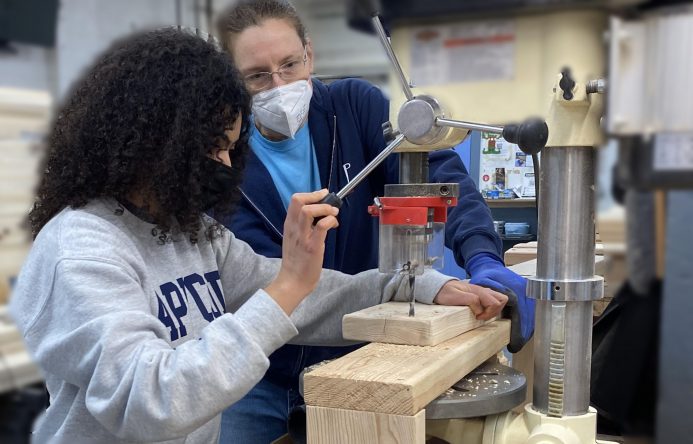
<point>309,53</point>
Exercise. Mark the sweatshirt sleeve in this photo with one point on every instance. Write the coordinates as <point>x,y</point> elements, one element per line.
<point>319,317</point>
<point>95,332</point>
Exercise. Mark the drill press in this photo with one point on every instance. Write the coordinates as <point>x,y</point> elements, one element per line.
<point>413,213</point>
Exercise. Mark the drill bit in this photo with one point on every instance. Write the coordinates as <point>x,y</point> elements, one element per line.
<point>410,269</point>
<point>411,292</point>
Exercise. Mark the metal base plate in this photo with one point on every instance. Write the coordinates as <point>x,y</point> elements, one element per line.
<point>490,389</point>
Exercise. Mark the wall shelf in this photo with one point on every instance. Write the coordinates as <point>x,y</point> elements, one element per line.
<point>511,203</point>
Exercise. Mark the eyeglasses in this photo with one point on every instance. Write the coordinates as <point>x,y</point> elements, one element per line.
<point>288,71</point>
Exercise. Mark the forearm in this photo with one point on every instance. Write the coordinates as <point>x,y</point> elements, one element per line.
<point>319,317</point>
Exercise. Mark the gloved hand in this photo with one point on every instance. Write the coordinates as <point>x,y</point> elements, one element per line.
<point>486,270</point>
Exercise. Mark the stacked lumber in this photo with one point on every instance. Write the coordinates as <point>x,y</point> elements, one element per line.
<point>611,225</point>
<point>24,117</point>
<point>16,366</point>
<point>378,393</point>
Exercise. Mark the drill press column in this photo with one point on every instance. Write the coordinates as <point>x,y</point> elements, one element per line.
<point>563,343</point>
<point>565,284</point>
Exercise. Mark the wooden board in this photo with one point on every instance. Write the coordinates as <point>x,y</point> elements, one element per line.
<point>390,322</point>
<point>18,370</point>
<point>13,258</point>
<point>401,379</point>
<point>529,268</point>
<point>527,251</point>
<point>339,426</point>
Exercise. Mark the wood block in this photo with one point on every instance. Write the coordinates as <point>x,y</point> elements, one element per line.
<point>529,268</point>
<point>12,259</point>
<point>401,379</point>
<point>390,322</point>
<point>518,255</point>
<point>527,251</point>
<point>4,289</point>
<point>340,426</point>
<point>9,333</point>
<point>18,370</point>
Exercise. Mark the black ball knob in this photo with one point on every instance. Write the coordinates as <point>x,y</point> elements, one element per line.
<point>531,135</point>
<point>567,84</point>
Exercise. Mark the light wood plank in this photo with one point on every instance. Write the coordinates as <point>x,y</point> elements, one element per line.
<point>340,426</point>
<point>13,258</point>
<point>9,333</point>
<point>390,322</point>
<point>529,268</point>
<point>18,370</point>
<point>527,251</point>
<point>401,379</point>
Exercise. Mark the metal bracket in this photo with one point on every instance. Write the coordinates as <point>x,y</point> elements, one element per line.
<point>575,290</point>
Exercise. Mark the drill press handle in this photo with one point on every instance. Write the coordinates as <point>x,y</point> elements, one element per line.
<point>530,135</point>
<point>335,199</point>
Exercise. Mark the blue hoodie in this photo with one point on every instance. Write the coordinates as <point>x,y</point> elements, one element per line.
<point>346,120</point>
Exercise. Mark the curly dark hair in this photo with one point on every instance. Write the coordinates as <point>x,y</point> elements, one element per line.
<point>141,119</point>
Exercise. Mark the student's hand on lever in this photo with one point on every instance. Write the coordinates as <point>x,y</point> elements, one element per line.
<point>303,248</point>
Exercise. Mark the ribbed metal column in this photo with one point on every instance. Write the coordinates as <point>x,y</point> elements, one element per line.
<point>565,284</point>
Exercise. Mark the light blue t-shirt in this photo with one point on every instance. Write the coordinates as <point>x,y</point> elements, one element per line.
<point>291,162</point>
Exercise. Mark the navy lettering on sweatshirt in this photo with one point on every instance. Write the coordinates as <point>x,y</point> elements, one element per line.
<point>191,292</point>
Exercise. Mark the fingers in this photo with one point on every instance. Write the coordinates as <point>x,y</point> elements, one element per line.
<point>493,302</point>
<point>311,211</point>
<point>299,200</point>
<point>303,211</point>
<point>483,302</point>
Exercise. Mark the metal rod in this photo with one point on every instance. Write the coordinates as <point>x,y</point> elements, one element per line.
<point>413,168</point>
<point>563,332</point>
<point>596,86</point>
<point>371,166</point>
<point>469,125</point>
<point>391,55</point>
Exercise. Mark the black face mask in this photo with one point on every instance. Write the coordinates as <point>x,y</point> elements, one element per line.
<point>218,185</point>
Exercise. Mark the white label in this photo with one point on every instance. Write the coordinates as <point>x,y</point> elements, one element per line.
<point>673,152</point>
<point>470,52</point>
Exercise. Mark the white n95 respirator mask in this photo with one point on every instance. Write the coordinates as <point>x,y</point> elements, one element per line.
<point>283,109</point>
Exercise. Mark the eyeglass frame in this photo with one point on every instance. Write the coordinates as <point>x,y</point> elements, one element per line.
<point>269,75</point>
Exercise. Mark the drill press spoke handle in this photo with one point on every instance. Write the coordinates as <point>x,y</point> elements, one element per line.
<point>531,135</point>
<point>391,55</point>
<point>335,199</point>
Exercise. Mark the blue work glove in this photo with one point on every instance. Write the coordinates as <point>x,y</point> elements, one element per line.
<point>487,271</point>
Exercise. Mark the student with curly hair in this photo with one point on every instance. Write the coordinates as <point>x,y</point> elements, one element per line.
<point>147,317</point>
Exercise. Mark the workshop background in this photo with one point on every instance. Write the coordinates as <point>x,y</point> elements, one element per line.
<point>45,45</point>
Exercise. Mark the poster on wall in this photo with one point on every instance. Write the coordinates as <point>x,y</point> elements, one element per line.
<point>505,172</point>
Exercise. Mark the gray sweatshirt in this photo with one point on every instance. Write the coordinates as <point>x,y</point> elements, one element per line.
<point>147,342</point>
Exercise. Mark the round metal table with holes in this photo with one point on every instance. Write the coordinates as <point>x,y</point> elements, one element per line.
<point>489,389</point>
